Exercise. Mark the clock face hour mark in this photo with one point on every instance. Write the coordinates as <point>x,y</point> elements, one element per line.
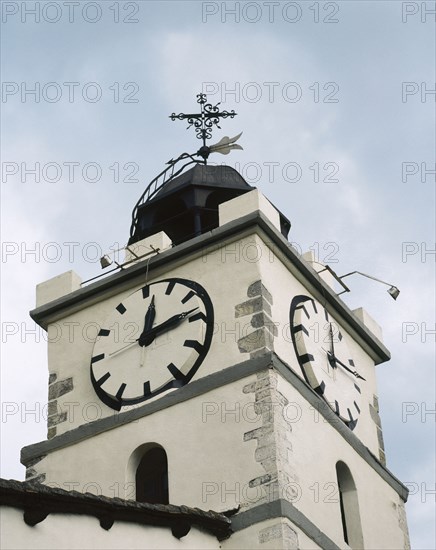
<point>147,391</point>
<point>121,391</point>
<point>357,407</point>
<point>103,379</point>
<point>121,309</point>
<point>300,328</point>
<point>306,358</point>
<point>303,308</point>
<point>357,388</point>
<point>320,389</point>
<point>197,316</point>
<point>104,332</point>
<point>97,358</point>
<point>178,375</point>
<point>352,424</point>
<point>170,287</point>
<point>145,292</point>
<point>194,344</point>
<point>190,295</point>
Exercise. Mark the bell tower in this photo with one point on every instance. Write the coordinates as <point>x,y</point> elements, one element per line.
<point>223,372</point>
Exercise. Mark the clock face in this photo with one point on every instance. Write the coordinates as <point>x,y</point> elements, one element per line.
<point>154,340</point>
<point>325,358</point>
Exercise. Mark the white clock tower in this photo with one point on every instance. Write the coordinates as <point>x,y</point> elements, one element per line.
<point>218,369</point>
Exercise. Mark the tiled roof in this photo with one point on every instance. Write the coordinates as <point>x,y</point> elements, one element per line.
<point>38,501</point>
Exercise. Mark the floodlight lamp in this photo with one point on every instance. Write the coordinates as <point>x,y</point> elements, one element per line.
<point>394,292</point>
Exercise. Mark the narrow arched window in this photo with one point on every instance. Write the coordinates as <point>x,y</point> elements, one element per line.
<point>349,507</point>
<point>152,477</point>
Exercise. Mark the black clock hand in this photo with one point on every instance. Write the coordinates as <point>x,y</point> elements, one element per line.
<point>331,353</point>
<point>148,323</point>
<point>334,359</point>
<point>172,322</point>
<point>332,345</point>
<point>356,374</point>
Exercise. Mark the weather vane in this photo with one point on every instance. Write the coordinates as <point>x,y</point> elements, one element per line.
<point>204,122</point>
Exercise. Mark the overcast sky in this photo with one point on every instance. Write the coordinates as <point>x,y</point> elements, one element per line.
<point>336,107</point>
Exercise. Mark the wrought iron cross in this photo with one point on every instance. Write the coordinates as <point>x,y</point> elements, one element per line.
<point>203,122</point>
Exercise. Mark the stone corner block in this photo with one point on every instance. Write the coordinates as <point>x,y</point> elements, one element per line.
<point>60,388</point>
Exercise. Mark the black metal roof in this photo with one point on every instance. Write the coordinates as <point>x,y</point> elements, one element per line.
<point>221,177</point>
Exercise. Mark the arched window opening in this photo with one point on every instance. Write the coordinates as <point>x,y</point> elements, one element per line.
<point>152,477</point>
<point>349,507</point>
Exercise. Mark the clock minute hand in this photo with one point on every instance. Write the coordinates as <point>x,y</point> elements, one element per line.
<point>332,345</point>
<point>356,374</point>
<point>171,322</point>
<point>334,361</point>
<point>163,327</point>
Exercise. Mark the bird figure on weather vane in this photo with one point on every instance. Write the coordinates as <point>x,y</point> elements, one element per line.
<point>204,122</point>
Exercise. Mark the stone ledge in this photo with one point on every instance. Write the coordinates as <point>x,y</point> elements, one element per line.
<point>260,366</point>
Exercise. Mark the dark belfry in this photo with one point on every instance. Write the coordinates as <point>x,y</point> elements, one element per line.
<point>185,205</point>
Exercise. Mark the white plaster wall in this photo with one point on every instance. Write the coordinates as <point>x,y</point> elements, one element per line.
<point>209,463</point>
<point>70,532</point>
<point>316,448</point>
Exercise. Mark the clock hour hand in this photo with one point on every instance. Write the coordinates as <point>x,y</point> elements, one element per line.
<point>172,322</point>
